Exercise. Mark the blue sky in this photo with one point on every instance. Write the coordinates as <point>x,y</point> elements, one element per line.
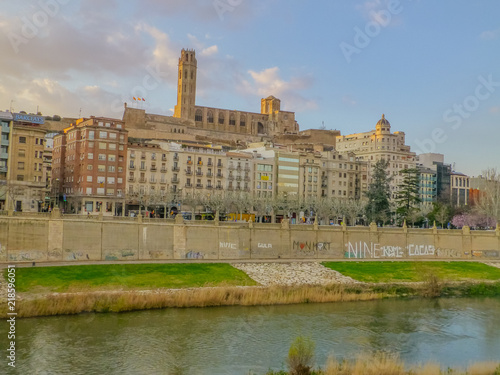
<point>431,67</point>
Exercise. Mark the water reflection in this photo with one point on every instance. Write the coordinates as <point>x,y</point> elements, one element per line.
<point>234,340</point>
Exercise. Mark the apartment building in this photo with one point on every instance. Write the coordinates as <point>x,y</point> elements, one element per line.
<point>460,186</point>
<point>6,125</point>
<point>380,144</point>
<point>25,186</point>
<point>239,171</point>
<point>89,166</point>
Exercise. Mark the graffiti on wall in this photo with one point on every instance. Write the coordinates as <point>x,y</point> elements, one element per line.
<point>27,256</point>
<point>155,254</point>
<point>310,247</point>
<point>265,245</point>
<point>117,255</point>
<point>227,245</point>
<point>361,249</point>
<point>195,255</point>
<point>485,253</point>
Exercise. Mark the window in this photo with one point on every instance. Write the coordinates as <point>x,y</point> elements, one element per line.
<point>111,168</point>
<point>232,119</point>
<point>210,116</point>
<point>221,118</point>
<point>101,168</point>
<point>89,178</point>
<point>21,153</point>
<point>112,146</point>
<point>112,135</point>
<point>199,115</point>
<point>111,180</point>
<point>103,135</point>
<point>102,156</point>
<point>20,177</point>
<point>91,134</point>
<point>22,139</point>
<point>102,146</point>
<point>90,155</point>
<point>91,144</point>
<point>20,165</point>
<point>90,167</point>
<point>112,158</point>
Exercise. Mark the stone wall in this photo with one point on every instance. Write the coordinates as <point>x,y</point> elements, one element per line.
<point>116,239</point>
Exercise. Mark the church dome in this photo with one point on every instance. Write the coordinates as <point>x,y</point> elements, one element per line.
<point>383,122</point>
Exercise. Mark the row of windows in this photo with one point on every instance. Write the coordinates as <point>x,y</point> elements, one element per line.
<point>221,120</point>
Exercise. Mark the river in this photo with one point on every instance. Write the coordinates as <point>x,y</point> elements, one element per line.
<point>237,340</point>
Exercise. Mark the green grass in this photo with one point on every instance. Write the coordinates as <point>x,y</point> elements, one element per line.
<point>128,276</point>
<point>384,272</point>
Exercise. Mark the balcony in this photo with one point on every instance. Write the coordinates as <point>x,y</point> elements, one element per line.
<point>219,165</point>
<point>247,179</point>
<point>132,167</point>
<point>210,174</point>
<point>142,180</point>
<point>230,188</point>
<point>189,162</point>
<point>131,179</point>
<point>164,158</point>
<point>199,162</point>
<point>143,156</point>
<point>247,169</point>
<point>163,182</point>
<point>176,169</point>
<point>188,185</point>
<point>238,178</point>
<point>199,186</point>
<point>220,175</point>
<point>163,170</point>
<point>199,173</point>
<point>132,156</point>
<point>230,177</point>
<point>5,128</point>
<point>175,180</point>
<point>237,188</point>
<point>189,172</point>
<point>142,168</point>
<point>231,167</point>
<point>176,157</point>
<point>210,187</point>
<point>153,169</point>
<point>210,164</point>
<point>218,187</point>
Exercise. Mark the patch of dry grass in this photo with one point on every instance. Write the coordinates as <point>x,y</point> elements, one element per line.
<point>106,301</point>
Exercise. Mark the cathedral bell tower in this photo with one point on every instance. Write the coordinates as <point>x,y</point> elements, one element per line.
<point>186,85</point>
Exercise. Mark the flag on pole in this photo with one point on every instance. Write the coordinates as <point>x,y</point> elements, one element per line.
<point>143,99</point>
<point>134,98</point>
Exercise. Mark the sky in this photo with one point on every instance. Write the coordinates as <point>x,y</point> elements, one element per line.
<point>432,67</point>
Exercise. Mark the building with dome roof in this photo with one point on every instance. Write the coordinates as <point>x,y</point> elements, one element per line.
<point>379,144</point>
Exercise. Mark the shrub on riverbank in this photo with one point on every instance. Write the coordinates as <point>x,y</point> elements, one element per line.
<point>120,301</point>
<point>386,364</point>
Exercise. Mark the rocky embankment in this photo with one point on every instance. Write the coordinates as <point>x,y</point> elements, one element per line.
<point>294,273</point>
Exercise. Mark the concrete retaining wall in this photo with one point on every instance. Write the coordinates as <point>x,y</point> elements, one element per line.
<point>73,239</point>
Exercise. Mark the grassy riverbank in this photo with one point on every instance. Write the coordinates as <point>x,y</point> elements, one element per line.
<point>390,272</point>
<point>44,291</point>
<point>127,277</point>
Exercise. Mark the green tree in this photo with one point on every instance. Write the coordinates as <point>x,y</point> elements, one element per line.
<point>408,198</point>
<point>378,194</point>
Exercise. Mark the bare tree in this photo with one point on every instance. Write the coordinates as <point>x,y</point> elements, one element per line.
<point>353,208</point>
<point>488,202</point>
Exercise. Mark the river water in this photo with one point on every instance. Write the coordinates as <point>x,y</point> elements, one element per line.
<point>237,340</point>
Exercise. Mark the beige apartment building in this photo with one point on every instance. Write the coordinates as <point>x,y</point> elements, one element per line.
<point>239,171</point>
<point>25,187</point>
<point>380,144</point>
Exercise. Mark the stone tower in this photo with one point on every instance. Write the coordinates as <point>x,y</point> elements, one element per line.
<point>186,88</point>
<point>270,105</point>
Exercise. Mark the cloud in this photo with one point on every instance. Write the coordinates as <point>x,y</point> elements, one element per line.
<point>495,110</point>
<point>269,82</point>
<point>371,11</point>
<point>349,100</point>
<point>490,34</point>
<point>212,50</point>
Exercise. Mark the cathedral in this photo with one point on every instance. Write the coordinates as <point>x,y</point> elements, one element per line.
<point>198,123</point>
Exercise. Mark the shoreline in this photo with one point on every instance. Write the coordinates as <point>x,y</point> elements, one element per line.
<point>102,301</point>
